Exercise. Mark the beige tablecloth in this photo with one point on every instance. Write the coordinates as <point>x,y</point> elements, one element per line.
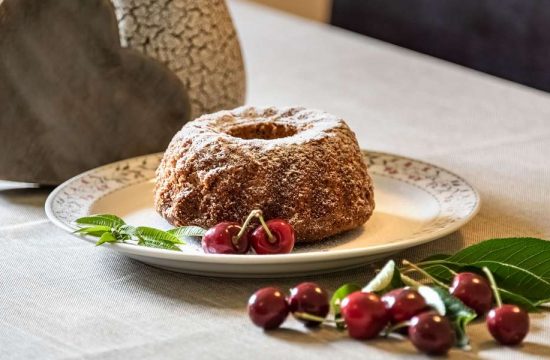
<point>63,298</point>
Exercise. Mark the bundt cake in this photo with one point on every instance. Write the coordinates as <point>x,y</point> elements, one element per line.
<point>301,165</point>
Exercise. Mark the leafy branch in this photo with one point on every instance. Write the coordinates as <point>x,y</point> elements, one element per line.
<point>520,266</point>
<point>112,229</point>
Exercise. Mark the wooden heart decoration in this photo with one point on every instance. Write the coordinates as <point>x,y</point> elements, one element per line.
<point>71,98</point>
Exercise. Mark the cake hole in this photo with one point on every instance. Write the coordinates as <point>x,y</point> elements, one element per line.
<point>265,131</point>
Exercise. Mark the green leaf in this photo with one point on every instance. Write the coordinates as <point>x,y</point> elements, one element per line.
<point>152,234</point>
<point>437,257</point>
<point>433,299</point>
<point>509,297</point>
<point>111,221</point>
<point>530,254</point>
<point>158,244</point>
<point>114,218</point>
<point>184,231</point>
<point>440,272</point>
<point>509,277</point>
<point>388,278</point>
<point>111,228</point>
<point>126,232</point>
<point>96,231</point>
<point>396,281</point>
<point>337,298</point>
<point>459,314</point>
<point>517,280</point>
<point>106,238</point>
<point>445,274</point>
<point>340,294</point>
<point>543,302</point>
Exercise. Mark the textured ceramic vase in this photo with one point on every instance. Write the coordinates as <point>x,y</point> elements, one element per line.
<point>196,40</point>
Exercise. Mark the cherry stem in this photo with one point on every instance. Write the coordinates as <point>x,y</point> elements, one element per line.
<point>249,218</point>
<point>493,285</point>
<point>410,281</point>
<point>395,327</point>
<point>306,316</point>
<point>266,228</point>
<point>437,262</point>
<point>255,214</point>
<point>425,273</point>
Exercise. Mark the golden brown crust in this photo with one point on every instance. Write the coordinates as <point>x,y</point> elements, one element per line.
<point>297,164</point>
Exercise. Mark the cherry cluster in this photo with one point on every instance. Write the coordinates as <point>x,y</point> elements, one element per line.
<point>275,236</point>
<point>269,307</point>
<point>404,310</point>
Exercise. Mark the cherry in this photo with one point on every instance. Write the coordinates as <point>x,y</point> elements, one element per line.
<point>508,324</point>
<point>311,299</point>
<point>224,238</point>
<point>279,240</point>
<point>403,304</point>
<point>268,308</point>
<point>474,291</point>
<point>431,333</point>
<point>365,315</point>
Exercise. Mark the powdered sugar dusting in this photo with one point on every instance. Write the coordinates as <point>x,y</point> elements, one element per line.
<point>298,164</point>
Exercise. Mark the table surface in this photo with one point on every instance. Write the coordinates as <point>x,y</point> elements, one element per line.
<point>62,298</point>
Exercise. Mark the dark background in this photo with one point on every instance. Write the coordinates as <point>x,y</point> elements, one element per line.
<point>506,38</point>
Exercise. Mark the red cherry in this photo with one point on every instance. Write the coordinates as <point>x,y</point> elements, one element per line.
<point>309,298</point>
<point>222,239</point>
<point>268,308</point>
<point>365,315</point>
<point>283,234</point>
<point>431,333</point>
<point>508,324</point>
<point>403,304</point>
<point>474,291</point>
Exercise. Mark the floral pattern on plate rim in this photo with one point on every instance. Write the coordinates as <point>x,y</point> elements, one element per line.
<point>456,198</point>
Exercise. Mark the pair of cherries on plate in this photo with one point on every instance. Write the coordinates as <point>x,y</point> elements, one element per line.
<point>275,236</point>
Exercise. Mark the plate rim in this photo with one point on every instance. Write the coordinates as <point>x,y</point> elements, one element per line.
<point>254,259</point>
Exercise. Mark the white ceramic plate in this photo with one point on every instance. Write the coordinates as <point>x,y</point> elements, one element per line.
<point>415,202</point>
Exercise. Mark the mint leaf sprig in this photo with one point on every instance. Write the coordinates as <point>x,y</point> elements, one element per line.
<point>112,229</point>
